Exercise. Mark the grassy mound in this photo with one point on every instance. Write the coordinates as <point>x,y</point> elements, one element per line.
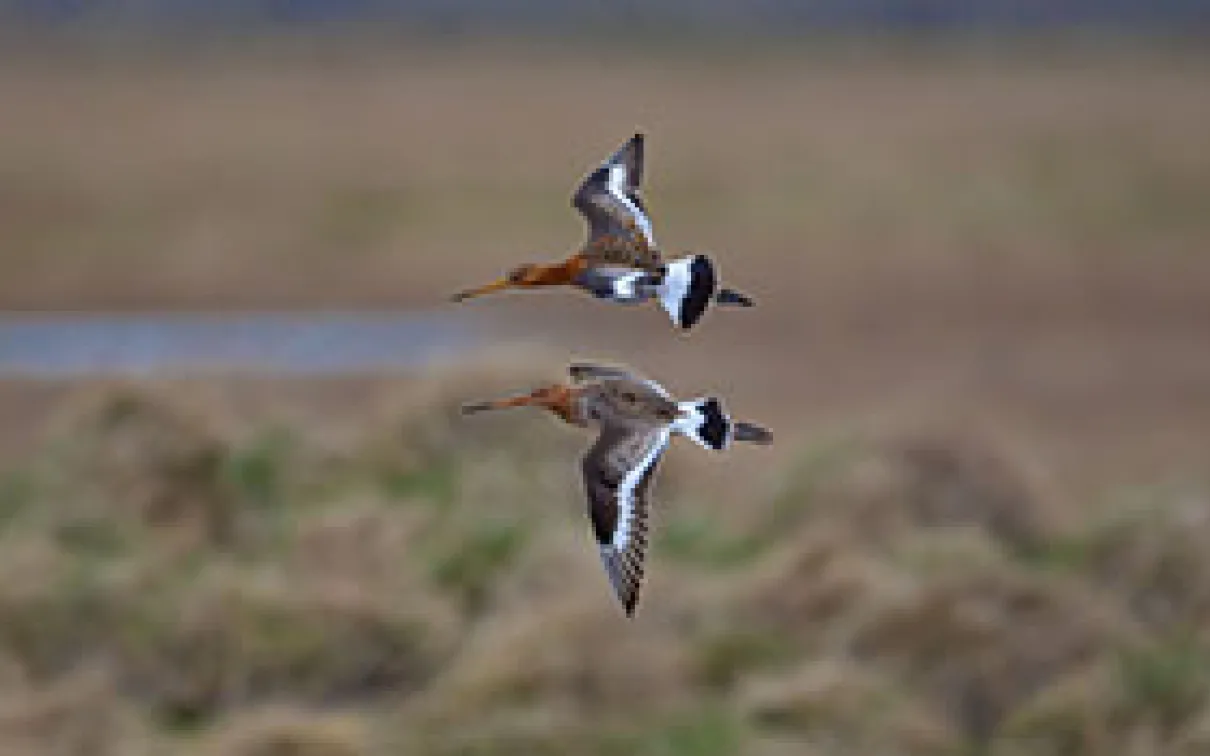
<point>188,578</point>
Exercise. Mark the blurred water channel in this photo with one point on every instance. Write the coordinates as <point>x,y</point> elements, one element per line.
<point>69,345</point>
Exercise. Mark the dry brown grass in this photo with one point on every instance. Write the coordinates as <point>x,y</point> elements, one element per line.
<point>447,599</point>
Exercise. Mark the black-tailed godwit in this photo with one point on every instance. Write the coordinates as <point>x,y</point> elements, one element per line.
<point>620,260</point>
<point>637,417</point>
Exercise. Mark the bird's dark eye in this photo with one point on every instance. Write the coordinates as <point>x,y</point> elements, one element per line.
<point>630,396</point>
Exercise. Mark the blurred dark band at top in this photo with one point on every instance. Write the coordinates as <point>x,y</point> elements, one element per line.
<point>669,16</point>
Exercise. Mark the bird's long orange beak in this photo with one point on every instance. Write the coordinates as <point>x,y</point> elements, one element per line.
<point>503,283</point>
<point>524,400</point>
<point>558,399</point>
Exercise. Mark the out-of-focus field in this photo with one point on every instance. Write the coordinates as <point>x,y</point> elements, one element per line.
<point>185,575</point>
<point>984,305</point>
<point>1015,236</point>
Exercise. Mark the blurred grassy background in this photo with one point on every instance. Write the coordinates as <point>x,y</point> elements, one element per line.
<point>984,301</point>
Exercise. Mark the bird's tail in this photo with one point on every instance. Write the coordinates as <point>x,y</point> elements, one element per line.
<point>687,288</point>
<point>707,422</point>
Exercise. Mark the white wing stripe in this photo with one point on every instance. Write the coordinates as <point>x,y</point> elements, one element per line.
<point>626,503</point>
<point>657,388</point>
<point>617,187</point>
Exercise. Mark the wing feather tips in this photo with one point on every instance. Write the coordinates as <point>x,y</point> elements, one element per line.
<point>631,603</point>
<point>625,577</point>
<point>635,163</point>
<point>618,470</point>
<point>630,157</point>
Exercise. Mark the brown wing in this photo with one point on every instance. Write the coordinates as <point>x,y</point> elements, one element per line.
<point>617,475</point>
<point>591,371</point>
<point>609,198</point>
<point>655,395</point>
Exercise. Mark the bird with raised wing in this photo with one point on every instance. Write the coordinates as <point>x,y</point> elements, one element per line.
<point>620,260</point>
<point>637,418</point>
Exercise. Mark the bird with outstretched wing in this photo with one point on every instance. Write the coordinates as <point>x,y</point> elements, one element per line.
<point>620,260</point>
<point>636,418</point>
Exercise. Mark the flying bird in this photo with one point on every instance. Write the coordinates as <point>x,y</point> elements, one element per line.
<point>636,418</point>
<point>620,260</point>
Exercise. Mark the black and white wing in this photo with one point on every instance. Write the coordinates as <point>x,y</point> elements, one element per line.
<point>611,201</point>
<point>617,475</point>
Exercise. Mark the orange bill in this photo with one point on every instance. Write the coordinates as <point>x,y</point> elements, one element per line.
<point>512,401</point>
<point>502,283</point>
